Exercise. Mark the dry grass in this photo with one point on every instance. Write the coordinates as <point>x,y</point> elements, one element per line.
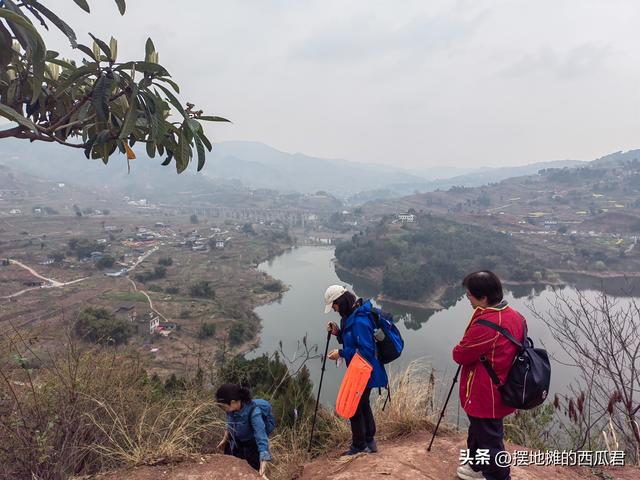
<point>412,408</point>
<point>168,430</point>
<point>87,411</point>
<point>413,402</point>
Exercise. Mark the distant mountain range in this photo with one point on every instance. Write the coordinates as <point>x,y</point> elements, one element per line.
<point>148,179</point>
<point>260,166</point>
<point>236,166</point>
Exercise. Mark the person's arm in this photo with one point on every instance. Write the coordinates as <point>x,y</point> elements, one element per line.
<point>224,440</point>
<point>260,434</point>
<point>476,341</point>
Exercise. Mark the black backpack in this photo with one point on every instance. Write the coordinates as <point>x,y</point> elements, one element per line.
<point>527,384</point>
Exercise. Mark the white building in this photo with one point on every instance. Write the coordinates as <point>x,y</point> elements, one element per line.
<point>154,322</point>
<point>407,217</point>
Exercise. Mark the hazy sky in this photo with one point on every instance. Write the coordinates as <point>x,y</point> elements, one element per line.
<point>409,83</point>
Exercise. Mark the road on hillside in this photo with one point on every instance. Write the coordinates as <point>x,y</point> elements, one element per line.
<point>52,283</point>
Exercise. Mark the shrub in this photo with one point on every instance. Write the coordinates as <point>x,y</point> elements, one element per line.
<point>206,330</point>
<point>165,261</point>
<point>105,262</point>
<point>95,410</point>
<point>202,289</point>
<point>98,325</point>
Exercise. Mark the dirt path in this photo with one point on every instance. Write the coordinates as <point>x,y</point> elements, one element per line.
<point>135,287</point>
<point>209,467</point>
<point>407,458</point>
<point>51,282</point>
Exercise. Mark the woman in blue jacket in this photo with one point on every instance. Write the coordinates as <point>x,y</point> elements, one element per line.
<point>246,435</point>
<point>356,335</point>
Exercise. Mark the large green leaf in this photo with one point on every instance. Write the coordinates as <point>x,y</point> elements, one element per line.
<point>100,97</point>
<point>83,5</point>
<point>183,153</point>
<point>212,119</point>
<point>12,115</point>
<point>5,46</point>
<point>122,7</point>
<point>24,27</point>
<point>174,101</point>
<point>151,149</point>
<point>173,84</point>
<point>103,46</point>
<point>83,71</point>
<point>57,21</point>
<point>87,51</point>
<point>149,48</point>
<point>200,151</point>
<point>205,140</point>
<point>38,57</point>
<point>130,120</point>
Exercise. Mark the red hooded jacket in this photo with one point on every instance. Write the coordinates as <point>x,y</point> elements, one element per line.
<point>479,396</point>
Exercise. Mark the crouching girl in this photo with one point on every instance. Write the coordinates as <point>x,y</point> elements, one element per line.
<point>249,423</point>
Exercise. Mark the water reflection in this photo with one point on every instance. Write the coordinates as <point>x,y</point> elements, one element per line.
<point>429,334</point>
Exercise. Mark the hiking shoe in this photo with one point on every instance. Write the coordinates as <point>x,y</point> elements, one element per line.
<point>354,451</point>
<point>465,472</point>
<point>372,446</point>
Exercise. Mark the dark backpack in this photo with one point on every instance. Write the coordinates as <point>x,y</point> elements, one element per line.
<point>267,414</point>
<point>389,342</point>
<point>527,384</point>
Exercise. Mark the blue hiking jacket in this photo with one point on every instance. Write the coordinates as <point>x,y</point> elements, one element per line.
<point>357,336</point>
<point>244,426</point>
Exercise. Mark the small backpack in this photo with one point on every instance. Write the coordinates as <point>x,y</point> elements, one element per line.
<point>389,342</point>
<point>527,384</point>
<point>267,414</point>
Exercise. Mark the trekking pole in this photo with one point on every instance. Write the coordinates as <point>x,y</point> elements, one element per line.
<point>315,413</point>
<point>455,380</point>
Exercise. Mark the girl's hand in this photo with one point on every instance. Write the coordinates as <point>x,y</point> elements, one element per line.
<point>333,355</point>
<point>333,328</point>
<point>263,468</point>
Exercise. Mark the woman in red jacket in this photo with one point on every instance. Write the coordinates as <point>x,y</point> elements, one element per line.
<point>479,396</point>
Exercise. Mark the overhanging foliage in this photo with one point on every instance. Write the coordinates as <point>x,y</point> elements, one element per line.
<point>100,105</point>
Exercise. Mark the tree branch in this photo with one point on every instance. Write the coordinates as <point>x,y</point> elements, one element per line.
<point>21,132</point>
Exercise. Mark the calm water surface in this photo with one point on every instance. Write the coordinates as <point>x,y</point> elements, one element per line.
<point>428,334</point>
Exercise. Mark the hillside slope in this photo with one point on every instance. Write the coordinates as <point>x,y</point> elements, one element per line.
<point>402,458</point>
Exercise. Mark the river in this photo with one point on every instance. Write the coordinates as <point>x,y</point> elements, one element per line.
<point>428,335</point>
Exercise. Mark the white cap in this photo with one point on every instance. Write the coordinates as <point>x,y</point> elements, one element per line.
<point>331,295</point>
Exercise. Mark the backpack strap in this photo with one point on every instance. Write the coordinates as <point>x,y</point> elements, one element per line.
<point>503,331</point>
<point>253,409</point>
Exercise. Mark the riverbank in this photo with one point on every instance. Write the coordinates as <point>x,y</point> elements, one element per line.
<point>618,283</point>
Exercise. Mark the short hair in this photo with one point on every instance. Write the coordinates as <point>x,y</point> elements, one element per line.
<point>231,391</point>
<point>484,284</point>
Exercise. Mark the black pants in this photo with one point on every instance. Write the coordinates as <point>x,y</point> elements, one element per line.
<point>245,450</point>
<point>488,434</point>
<point>363,426</point>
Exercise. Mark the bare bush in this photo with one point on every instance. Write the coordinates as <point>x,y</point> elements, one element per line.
<point>601,337</point>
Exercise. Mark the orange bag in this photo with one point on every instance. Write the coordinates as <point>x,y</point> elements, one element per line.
<point>353,385</point>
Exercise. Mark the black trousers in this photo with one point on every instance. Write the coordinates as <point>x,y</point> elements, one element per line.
<point>363,426</point>
<point>246,451</point>
<point>488,434</point>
